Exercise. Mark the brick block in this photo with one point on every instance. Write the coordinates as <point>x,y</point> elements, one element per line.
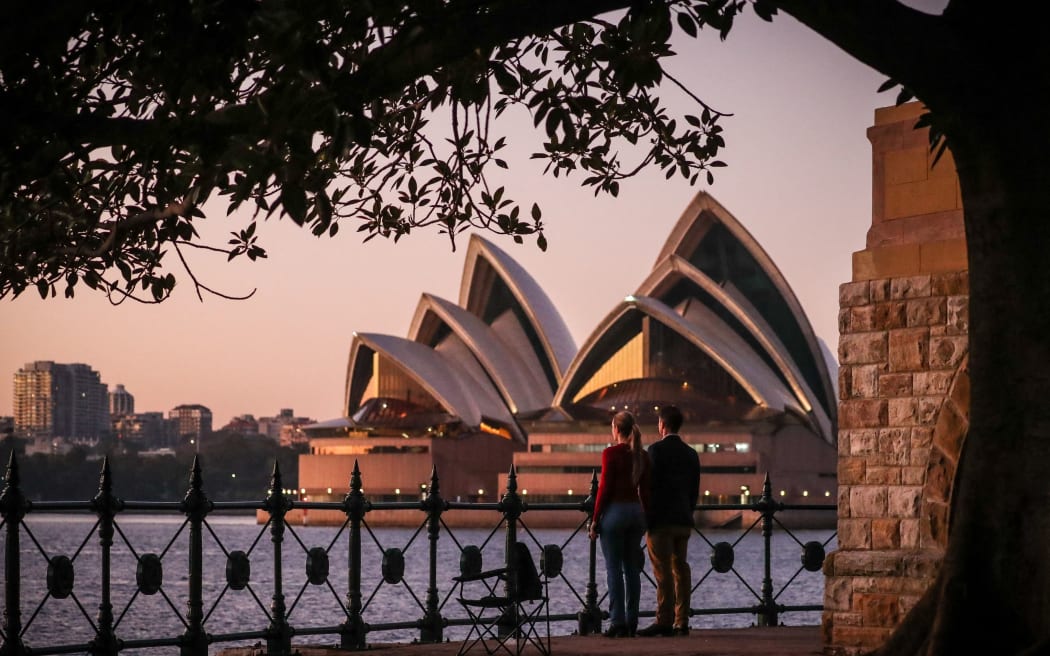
<point>844,320</point>
<point>919,456</point>
<point>879,290</point>
<point>882,475</point>
<point>890,314</point>
<point>861,319</point>
<point>891,385</point>
<point>921,437</point>
<point>931,383</point>
<point>864,382</point>
<point>910,287</point>
<point>851,471</point>
<point>913,475</point>
<point>853,293</point>
<point>862,348</point>
<point>863,413</point>
<point>878,609</point>
<point>838,594</point>
<point>885,533</point>
<point>944,352</point>
<point>904,501</point>
<point>868,501</point>
<point>862,442</point>
<point>903,412</point>
<point>894,446</point>
<point>926,311</point>
<point>854,534</point>
<point>908,349</point>
<point>928,407</point>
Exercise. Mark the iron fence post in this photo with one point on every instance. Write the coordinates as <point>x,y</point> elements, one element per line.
<point>195,505</point>
<point>511,506</point>
<point>432,626</point>
<point>353,630</point>
<point>767,615</point>
<point>278,633</point>
<point>589,620</point>
<point>13,507</point>
<point>106,506</point>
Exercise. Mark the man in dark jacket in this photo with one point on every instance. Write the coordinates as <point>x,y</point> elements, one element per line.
<point>669,522</point>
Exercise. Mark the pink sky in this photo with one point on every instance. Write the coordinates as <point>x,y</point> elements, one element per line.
<point>799,179</point>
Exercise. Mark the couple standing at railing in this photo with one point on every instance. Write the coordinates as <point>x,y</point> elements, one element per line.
<point>652,493</point>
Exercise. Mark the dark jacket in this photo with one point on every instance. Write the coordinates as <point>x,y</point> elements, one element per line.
<point>675,483</point>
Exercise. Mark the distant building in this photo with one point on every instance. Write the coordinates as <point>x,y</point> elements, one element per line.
<point>272,427</point>
<point>145,430</point>
<point>193,422</point>
<point>121,402</point>
<point>66,401</point>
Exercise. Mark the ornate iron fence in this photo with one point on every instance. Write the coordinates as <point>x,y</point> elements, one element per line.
<point>353,631</point>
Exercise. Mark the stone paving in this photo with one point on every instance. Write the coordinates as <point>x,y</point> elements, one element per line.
<point>767,641</point>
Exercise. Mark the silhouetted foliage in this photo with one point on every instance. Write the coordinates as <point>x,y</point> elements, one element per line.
<point>234,468</point>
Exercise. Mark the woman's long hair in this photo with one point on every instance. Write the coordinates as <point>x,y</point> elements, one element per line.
<point>627,425</point>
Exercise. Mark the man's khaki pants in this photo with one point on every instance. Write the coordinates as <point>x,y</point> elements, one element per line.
<point>668,553</point>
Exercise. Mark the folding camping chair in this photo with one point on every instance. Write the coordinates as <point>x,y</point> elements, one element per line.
<point>515,612</point>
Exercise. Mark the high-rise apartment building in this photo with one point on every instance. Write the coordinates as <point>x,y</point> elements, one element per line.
<point>121,402</point>
<point>60,401</point>
<point>193,421</point>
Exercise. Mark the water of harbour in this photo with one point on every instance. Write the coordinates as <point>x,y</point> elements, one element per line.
<point>53,621</point>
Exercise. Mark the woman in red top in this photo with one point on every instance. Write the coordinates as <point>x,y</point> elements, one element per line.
<point>620,521</point>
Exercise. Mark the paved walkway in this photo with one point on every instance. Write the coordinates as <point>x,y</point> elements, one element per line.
<point>765,641</point>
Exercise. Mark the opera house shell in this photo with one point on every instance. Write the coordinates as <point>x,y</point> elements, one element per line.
<point>497,379</point>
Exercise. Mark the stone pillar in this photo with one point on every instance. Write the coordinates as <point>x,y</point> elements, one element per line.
<point>903,390</point>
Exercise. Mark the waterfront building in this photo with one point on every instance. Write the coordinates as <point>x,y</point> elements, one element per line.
<point>60,401</point>
<point>496,379</point>
<point>192,422</point>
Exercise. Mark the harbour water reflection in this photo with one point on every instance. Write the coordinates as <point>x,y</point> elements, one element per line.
<point>52,621</point>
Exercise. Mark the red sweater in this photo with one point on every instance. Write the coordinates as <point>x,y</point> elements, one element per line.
<point>615,485</point>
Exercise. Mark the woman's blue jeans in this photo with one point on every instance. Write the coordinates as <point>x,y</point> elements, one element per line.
<point>621,530</point>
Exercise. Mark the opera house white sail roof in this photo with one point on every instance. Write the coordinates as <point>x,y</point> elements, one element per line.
<point>714,328</point>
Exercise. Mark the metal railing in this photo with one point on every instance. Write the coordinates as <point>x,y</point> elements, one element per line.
<point>511,511</point>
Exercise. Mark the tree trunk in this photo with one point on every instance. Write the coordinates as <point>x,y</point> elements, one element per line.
<point>992,594</point>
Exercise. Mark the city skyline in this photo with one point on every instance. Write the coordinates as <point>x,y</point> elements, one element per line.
<point>799,179</point>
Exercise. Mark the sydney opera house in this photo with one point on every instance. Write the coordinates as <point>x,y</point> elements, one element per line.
<point>496,379</point>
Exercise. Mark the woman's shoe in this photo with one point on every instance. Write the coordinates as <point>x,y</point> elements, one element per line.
<point>616,631</point>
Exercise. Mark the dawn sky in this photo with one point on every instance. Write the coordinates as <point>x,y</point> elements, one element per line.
<point>798,178</point>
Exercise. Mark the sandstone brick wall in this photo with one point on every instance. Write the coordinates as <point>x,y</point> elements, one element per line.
<point>903,389</point>
<point>902,343</point>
